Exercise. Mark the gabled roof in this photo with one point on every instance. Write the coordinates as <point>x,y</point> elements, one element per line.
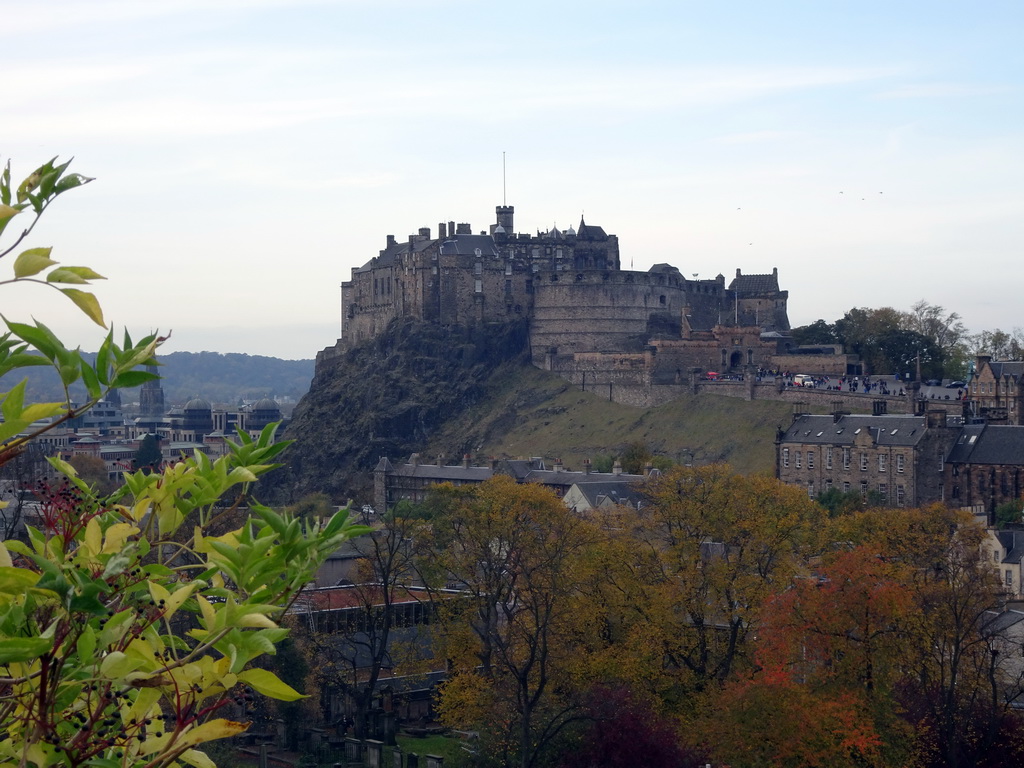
<point>895,430</point>
<point>467,245</point>
<point>989,444</point>
<point>1013,542</point>
<point>590,232</point>
<point>1012,368</point>
<point>619,491</point>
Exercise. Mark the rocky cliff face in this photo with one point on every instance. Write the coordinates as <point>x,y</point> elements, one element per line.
<point>387,397</point>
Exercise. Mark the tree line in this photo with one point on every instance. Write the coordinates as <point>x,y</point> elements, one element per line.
<point>729,619</point>
<point>893,341</point>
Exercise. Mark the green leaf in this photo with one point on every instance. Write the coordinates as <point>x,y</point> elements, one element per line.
<point>14,401</point>
<point>38,336</point>
<point>7,211</point>
<point>5,184</point>
<point>25,649</point>
<point>267,683</point>
<point>32,262</point>
<point>87,303</point>
<point>65,275</point>
<point>71,181</point>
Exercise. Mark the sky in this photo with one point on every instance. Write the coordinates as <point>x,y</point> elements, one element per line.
<point>249,153</point>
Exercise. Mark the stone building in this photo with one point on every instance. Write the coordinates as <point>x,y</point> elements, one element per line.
<point>584,311</point>
<point>898,457</point>
<point>985,466</point>
<point>996,391</point>
<point>412,481</point>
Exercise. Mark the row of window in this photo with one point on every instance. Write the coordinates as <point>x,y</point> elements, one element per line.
<point>883,460</point>
<point>882,490</point>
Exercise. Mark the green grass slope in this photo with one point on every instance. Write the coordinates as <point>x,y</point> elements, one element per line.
<point>528,412</point>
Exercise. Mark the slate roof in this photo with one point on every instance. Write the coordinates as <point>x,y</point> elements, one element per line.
<point>590,232</point>
<point>755,284</point>
<point>1002,621</point>
<point>1013,542</point>
<point>392,256</point>
<point>617,491</point>
<point>894,430</point>
<point>466,245</point>
<point>989,444</point>
<point>1012,368</point>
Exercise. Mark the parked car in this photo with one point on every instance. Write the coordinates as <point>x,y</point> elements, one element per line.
<point>803,380</point>
<point>933,383</point>
<point>956,385</point>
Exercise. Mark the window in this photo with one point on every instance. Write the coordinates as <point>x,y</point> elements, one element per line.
<point>863,487</point>
<point>863,462</point>
<point>478,268</point>
<point>883,490</point>
<point>478,286</point>
<point>810,488</point>
<point>995,555</point>
<point>900,495</point>
<point>828,484</point>
<point>810,459</point>
<point>846,458</point>
<point>1009,579</point>
<point>798,455</point>
<point>882,462</point>
<point>846,487</point>
<point>828,457</point>
<point>785,457</point>
<point>899,463</point>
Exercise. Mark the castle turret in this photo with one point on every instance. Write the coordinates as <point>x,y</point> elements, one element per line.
<point>505,217</point>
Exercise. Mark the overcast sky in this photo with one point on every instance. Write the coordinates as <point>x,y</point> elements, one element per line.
<point>250,153</point>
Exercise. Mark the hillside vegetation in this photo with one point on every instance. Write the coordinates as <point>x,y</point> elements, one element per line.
<point>420,388</point>
<point>214,376</point>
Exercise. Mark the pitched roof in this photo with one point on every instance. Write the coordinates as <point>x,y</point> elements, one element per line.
<point>989,444</point>
<point>895,430</point>
<point>1012,368</point>
<point>467,245</point>
<point>755,284</point>
<point>590,232</point>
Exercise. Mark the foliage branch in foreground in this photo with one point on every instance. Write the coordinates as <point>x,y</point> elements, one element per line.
<point>128,622</point>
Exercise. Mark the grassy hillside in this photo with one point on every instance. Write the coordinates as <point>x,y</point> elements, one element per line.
<point>529,412</point>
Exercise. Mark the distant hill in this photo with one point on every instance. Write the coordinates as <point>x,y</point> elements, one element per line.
<point>217,377</point>
<point>419,388</point>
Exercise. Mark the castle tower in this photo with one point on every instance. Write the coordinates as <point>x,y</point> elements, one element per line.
<point>505,217</point>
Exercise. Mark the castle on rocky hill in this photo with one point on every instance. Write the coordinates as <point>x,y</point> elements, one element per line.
<point>587,316</point>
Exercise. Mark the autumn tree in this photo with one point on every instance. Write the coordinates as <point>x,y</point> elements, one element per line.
<point>694,566</point>
<point>354,661</point>
<point>517,641</point>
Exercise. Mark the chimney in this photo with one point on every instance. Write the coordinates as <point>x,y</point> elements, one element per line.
<point>425,233</point>
<point>558,465</point>
<point>464,229</point>
<point>586,466</point>
<point>648,468</point>
<point>738,273</point>
<point>442,231</point>
<point>440,459</point>
<point>465,461</point>
<point>617,467</point>
<point>391,241</point>
<point>451,229</point>
<point>415,459</point>
<point>494,463</point>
